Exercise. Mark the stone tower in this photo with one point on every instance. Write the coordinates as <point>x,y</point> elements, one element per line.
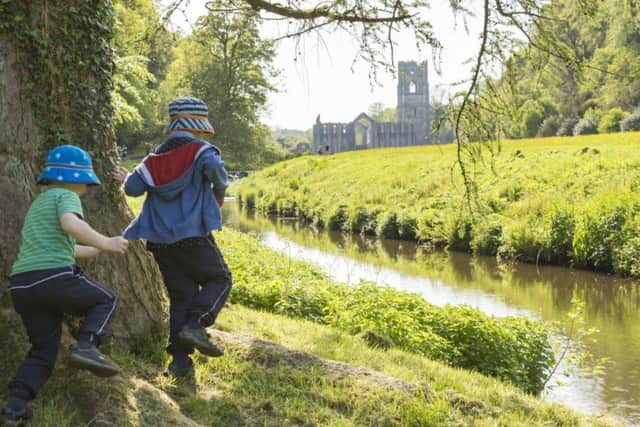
<point>413,99</point>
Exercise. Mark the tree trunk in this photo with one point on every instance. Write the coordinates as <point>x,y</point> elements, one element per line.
<point>55,83</point>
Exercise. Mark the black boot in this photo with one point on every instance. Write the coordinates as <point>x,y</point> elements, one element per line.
<point>197,337</point>
<point>87,356</point>
<point>179,368</point>
<point>15,413</point>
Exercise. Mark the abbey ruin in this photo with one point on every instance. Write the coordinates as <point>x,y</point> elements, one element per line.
<point>412,125</point>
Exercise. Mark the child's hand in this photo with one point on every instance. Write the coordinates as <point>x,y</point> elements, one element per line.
<point>119,173</point>
<point>117,244</point>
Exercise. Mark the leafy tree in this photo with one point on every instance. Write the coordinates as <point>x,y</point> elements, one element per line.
<point>228,65</point>
<point>142,54</point>
<point>378,111</point>
<point>610,122</point>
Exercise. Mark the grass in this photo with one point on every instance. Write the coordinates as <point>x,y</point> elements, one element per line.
<point>286,381</point>
<point>567,201</point>
<point>258,383</point>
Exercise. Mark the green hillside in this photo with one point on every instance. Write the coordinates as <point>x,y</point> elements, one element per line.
<point>567,201</point>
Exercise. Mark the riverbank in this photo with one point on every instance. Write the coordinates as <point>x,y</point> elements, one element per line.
<point>567,201</point>
<point>281,371</point>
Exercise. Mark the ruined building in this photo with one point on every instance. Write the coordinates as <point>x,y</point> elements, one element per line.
<point>412,125</point>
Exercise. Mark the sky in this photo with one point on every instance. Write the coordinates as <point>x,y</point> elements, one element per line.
<point>323,79</point>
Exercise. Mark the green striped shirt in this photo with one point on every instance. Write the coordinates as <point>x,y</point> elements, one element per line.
<point>44,243</point>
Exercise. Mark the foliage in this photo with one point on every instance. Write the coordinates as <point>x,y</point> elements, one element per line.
<point>143,49</point>
<point>582,58</point>
<point>631,122</point>
<point>566,126</point>
<point>67,56</point>
<point>585,127</point>
<point>377,111</point>
<point>513,349</point>
<point>227,49</point>
<point>537,200</point>
<point>549,126</point>
<point>610,122</point>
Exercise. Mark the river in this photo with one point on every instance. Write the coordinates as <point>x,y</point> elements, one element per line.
<point>612,305</point>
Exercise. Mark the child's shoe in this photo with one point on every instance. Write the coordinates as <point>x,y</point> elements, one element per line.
<point>179,369</point>
<point>15,415</point>
<point>197,337</point>
<point>89,357</point>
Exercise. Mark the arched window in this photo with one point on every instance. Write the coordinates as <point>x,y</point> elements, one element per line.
<point>412,87</point>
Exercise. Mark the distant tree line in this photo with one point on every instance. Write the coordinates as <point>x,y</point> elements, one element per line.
<point>223,61</point>
<point>592,87</point>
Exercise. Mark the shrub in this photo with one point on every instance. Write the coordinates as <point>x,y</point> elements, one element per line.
<point>597,236</point>
<point>359,219</point>
<point>287,207</point>
<point>431,228</point>
<point>610,122</point>
<point>388,226</point>
<point>559,244</point>
<point>487,236</point>
<point>407,227</point>
<point>549,126</point>
<point>585,127</point>
<point>337,218</point>
<point>459,232</point>
<point>513,349</point>
<point>248,200</point>
<point>532,116</point>
<point>521,241</point>
<point>630,123</point>
<point>566,126</point>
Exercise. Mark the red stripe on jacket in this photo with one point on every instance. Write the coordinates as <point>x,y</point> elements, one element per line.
<point>167,167</point>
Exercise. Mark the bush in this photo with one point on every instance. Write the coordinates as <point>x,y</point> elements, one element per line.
<point>610,122</point>
<point>248,200</point>
<point>407,227</point>
<point>598,234</point>
<point>487,236</point>
<point>585,127</point>
<point>513,349</point>
<point>388,226</point>
<point>549,126</point>
<point>431,228</point>
<point>630,123</point>
<point>362,221</point>
<point>566,126</point>
<point>559,244</point>
<point>459,232</point>
<point>521,241</point>
<point>337,218</point>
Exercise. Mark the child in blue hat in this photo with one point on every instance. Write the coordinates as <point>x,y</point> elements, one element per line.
<point>184,180</point>
<point>45,283</point>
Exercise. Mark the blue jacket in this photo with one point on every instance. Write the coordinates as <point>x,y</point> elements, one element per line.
<point>180,186</point>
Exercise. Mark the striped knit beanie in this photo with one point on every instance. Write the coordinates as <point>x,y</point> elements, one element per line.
<point>188,114</point>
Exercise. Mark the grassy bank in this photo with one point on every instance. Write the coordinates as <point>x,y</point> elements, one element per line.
<point>516,350</point>
<point>284,381</point>
<point>567,201</point>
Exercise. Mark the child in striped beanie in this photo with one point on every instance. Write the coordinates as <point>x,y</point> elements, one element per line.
<point>184,180</point>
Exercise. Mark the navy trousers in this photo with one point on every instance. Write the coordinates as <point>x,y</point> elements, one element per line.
<point>198,282</point>
<point>41,298</point>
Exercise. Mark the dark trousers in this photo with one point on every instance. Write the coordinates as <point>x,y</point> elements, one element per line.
<point>198,282</point>
<point>41,298</point>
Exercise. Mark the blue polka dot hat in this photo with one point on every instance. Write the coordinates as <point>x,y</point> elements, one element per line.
<point>68,164</point>
<point>188,114</point>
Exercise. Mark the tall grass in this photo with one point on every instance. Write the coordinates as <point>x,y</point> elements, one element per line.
<point>515,350</point>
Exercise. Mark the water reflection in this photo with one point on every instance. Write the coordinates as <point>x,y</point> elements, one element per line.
<point>545,292</point>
